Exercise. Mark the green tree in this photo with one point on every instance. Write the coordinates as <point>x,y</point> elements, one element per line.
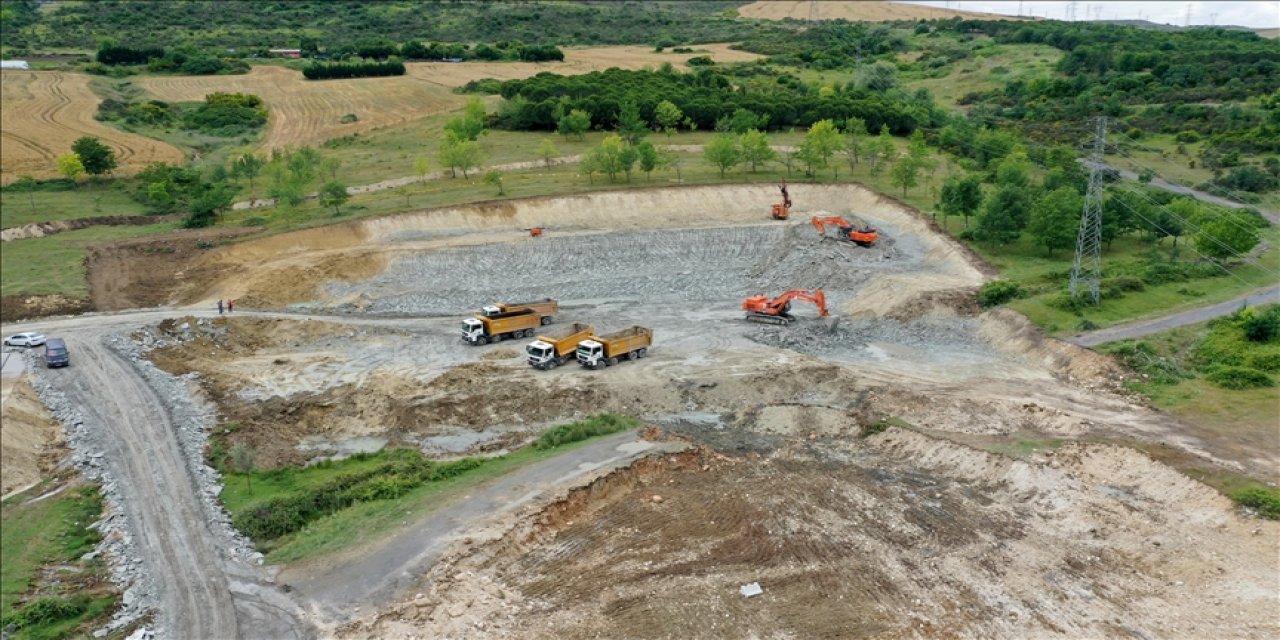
<point>742,121</point>
<point>460,155</point>
<point>1118,214</point>
<point>668,117</point>
<point>1005,215</point>
<point>247,166</point>
<point>755,149</point>
<point>1226,235</point>
<point>1055,217</point>
<point>881,151</point>
<point>243,461</point>
<point>722,151</point>
<point>95,157</point>
<point>631,126</point>
<point>494,177</point>
<point>28,185</point>
<point>649,158</point>
<point>1013,171</point>
<point>961,196</point>
<point>918,152</point>
<point>627,159</point>
<point>575,123</point>
<point>334,194</point>
<point>905,174</point>
<point>820,143</point>
<point>607,156</point>
<point>421,166</point>
<point>548,151</point>
<point>471,124</point>
<point>211,202</point>
<point>70,167</point>
<point>855,130</point>
<point>330,166</point>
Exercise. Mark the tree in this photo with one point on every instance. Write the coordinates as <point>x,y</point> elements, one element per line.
<point>668,117</point>
<point>575,123</point>
<point>208,205</point>
<point>1012,171</point>
<point>1005,215</point>
<point>471,124</point>
<point>881,150</point>
<point>243,461</point>
<point>247,166</point>
<point>460,155</point>
<point>755,149</point>
<point>631,126</point>
<point>820,142</point>
<point>548,151</point>
<point>421,166</point>
<point>742,121</point>
<point>95,157</point>
<point>607,157</point>
<point>627,159</point>
<point>29,185</point>
<point>880,76</point>
<point>333,194</point>
<point>494,177</point>
<point>918,152</point>
<point>722,151</point>
<point>1226,235</point>
<point>648,158</point>
<point>1055,218</point>
<point>854,130</point>
<point>961,196</point>
<point>70,167</point>
<point>905,173</point>
<point>330,166</point>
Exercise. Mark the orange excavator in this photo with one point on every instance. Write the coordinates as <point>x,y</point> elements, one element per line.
<point>760,308</point>
<point>782,210</point>
<point>863,237</point>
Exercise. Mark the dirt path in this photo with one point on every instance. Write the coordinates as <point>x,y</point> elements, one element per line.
<point>1272,216</point>
<point>1146,327</point>
<point>340,586</point>
<point>201,593</point>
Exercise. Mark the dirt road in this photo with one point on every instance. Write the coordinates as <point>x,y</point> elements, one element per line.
<point>1269,295</point>
<point>341,586</point>
<point>1158,183</point>
<point>202,594</point>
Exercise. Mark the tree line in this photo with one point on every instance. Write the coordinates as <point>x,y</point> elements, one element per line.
<point>332,70</point>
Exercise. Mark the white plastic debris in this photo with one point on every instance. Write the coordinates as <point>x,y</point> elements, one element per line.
<point>750,590</point>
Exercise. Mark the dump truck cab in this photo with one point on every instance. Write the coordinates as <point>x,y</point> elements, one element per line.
<point>472,330</point>
<point>541,353</point>
<point>591,354</point>
<point>490,310</point>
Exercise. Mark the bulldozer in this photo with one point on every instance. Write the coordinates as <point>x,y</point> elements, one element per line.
<point>782,210</point>
<point>864,237</point>
<point>760,308</point>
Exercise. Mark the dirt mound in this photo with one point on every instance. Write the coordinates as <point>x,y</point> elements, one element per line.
<point>890,536</point>
<point>146,272</point>
<point>14,308</point>
<point>31,443</point>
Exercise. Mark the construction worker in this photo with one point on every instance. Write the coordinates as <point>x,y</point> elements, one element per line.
<point>786,197</point>
<point>219,306</point>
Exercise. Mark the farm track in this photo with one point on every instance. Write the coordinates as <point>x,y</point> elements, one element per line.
<point>42,113</point>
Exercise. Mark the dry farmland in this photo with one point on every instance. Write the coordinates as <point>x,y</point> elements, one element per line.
<point>309,112</point>
<point>43,112</point>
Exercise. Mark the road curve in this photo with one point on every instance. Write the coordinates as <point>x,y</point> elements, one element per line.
<point>1271,216</point>
<point>1138,329</point>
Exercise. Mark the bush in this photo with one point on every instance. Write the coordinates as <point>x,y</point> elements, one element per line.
<point>1262,327</point>
<point>1233,377</point>
<point>328,71</point>
<point>1142,358</point>
<point>227,114</point>
<point>1187,137</point>
<point>47,610</point>
<point>1065,301</point>
<point>998,292</point>
<point>1264,361</point>
<point>348,118</point>
<point>700,61</point>
<point>1265,501</point>
<point>593,426</point>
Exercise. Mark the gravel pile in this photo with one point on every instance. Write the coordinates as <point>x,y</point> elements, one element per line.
<point>117,546</point>
<point>820,338</point>
<point>655,266</point>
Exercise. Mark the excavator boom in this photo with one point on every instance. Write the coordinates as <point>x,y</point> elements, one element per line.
<point>864,237</point>
<point>760,308</point>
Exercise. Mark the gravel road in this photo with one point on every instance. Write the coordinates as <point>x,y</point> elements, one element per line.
<point>1147,327</point>
<point>1272,216</point>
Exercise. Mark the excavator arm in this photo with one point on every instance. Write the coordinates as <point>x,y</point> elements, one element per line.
<point>760,308</point>
<point>821,222</point>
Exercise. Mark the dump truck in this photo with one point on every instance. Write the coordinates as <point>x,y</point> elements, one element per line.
<point>546,306</point>
<point>520,323</point>
<point>605,351</point>
<point>551,351</point>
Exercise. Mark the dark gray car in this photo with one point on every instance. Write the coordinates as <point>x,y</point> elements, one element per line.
<point>55,353</point>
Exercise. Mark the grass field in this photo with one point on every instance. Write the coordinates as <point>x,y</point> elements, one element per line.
<point>989,67</point>
<point>42,113</point>
<point>855,11</point>
<point>50,531</point>
<point>88,200</point>
<point>55,264</point>
<point>1159,153</point>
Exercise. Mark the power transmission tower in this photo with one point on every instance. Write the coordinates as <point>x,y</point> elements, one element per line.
<point>1086,273</point>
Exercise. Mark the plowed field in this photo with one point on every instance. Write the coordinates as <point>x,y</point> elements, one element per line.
<point>43,112</point>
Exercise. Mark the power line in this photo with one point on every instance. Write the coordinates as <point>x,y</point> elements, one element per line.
<point>1230,193</point>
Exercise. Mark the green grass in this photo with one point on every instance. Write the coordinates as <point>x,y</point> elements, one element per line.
<point>367,520</point>
<point>89,200</point>
<point>52,530</point>
<point>1159,152</point>
<point>55,264</point>
<point>982,71</point>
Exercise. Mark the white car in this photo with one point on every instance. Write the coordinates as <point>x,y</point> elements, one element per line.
<point>28,339</point>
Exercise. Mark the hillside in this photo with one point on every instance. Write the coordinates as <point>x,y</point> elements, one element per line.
<point>857,11</point>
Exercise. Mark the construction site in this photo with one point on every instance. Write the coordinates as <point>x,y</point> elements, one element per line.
<point>878,457</point>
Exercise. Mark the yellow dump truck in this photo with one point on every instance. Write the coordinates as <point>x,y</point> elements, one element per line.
<point>545,306</point>
<point>605,351</point>
<point>551,351</point>
<point>520,323</point>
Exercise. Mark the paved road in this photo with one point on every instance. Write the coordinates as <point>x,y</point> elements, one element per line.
<point>371,578</point>
<point>1193,316</point>
<point>1271,216</point>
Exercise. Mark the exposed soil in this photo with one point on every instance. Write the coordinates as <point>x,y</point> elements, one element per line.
<point>31,442</point>
<point>145,272</point>
<point>15,308</point>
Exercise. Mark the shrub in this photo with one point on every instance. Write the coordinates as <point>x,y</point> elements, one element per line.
<point>1187,137</point>
<point>593,426</point>
<point>227,114</point>
<point>1264,361</point>
<point>328,71</point>
<point>1233,377</point>
<point>1065,301</point>
<point>700,61</point>
<point>1262,327</point>
<point>1265,501</point>
<point>998,292</point>
<point>348,118</point>
<point>47,610</point>
<point>1142,358</point>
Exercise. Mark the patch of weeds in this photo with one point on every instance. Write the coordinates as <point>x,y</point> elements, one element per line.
<point>602,424</point>
<point>1264,500</point>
